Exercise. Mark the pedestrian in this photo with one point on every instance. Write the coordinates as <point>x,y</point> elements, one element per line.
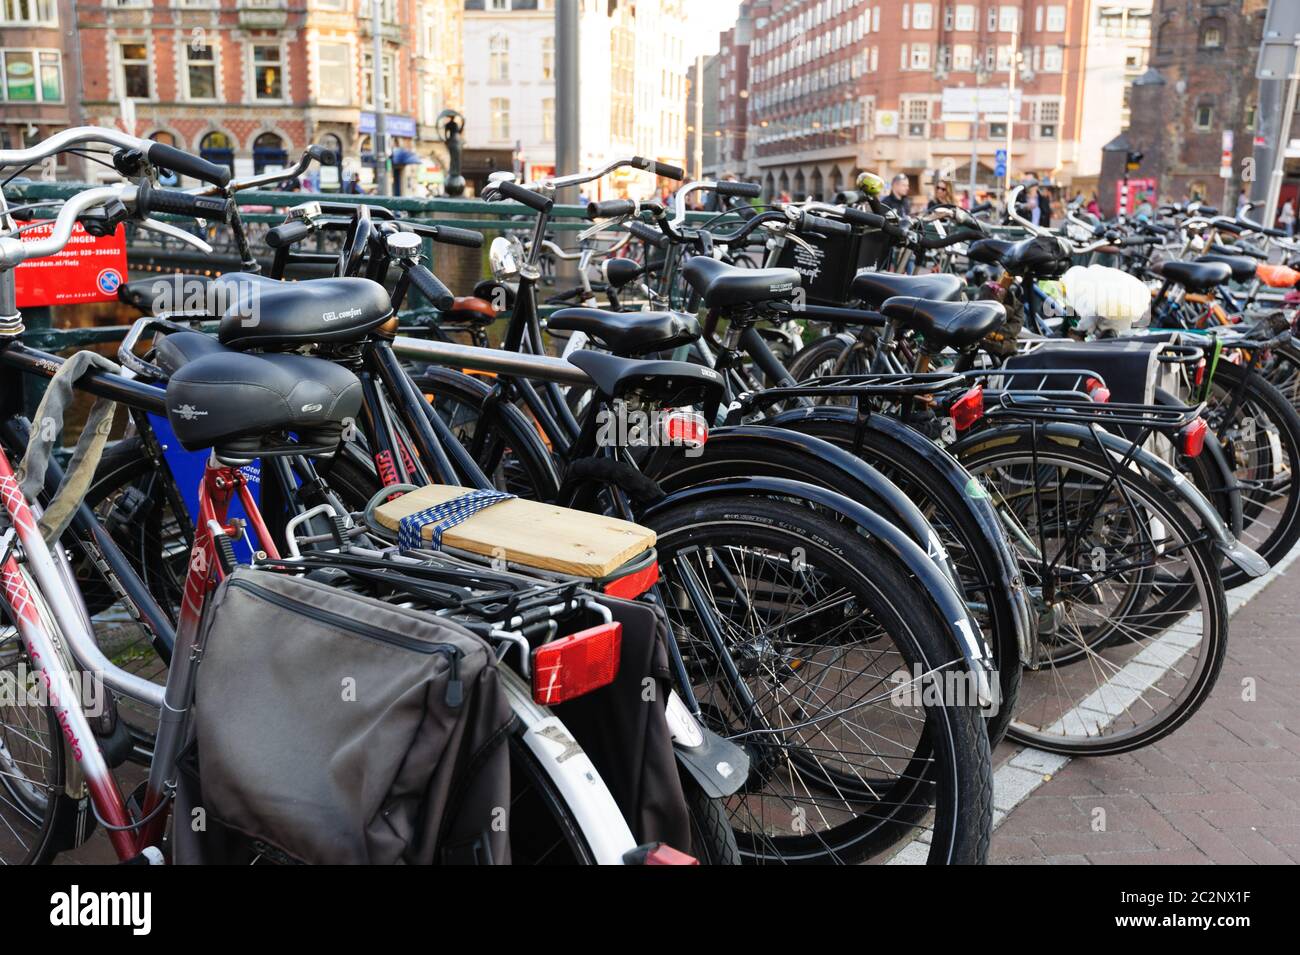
<point>942,195</point>
<point>898,198</point>
<point>1286,218</point>
<point>1094,207</point>
<point>1243,203</point>
<point>1045,206</point>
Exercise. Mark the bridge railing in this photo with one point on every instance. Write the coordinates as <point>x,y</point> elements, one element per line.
<point>150,252</point>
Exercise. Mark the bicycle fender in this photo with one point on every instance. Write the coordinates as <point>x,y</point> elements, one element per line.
<point>962,631</point>
<point>973,493</point>
<point>1118,447</point>
<point>730,441</point>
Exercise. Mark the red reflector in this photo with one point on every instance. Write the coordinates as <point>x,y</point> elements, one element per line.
<point>1193,437</point>
<point>1097,391</point>
<point>685,428</point>
<point>635,583</point>
<point>968,409</point>
<point>666,855</point>
<point>577,664</point>
<point>1200,373</point>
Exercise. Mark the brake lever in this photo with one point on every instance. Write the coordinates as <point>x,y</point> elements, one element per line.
<point>171,230</point>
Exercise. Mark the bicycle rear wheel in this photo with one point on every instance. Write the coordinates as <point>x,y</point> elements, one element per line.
<point>822,638</point>
<point>1132,617</point>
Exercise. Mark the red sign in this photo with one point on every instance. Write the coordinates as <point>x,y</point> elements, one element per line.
<point>89,269</point>
<point>1138,190</point>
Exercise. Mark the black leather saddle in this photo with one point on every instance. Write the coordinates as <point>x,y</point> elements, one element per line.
<point>988,251</point>
<point>1243,266</point>
<point>244,406</point>
<point>258,312</point>
<point>946,324</point>
<point>875,287</point>
<point>628,333</point>
<point>720,285</point>
<point>1195,276</point>
<point>671,384</point>
<point>1039,255</point>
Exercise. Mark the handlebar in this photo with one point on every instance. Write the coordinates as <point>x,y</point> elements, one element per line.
<point>168,201</point>
<point>431,287</point>
<point>744,190</point>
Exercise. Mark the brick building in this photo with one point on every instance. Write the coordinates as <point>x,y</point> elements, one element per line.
<point>837,86</point>
<point>250,83</point>
<point>1201,84</point>
<point>39,72</point>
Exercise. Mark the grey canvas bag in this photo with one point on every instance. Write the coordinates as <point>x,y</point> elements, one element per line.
<point>335,728</point>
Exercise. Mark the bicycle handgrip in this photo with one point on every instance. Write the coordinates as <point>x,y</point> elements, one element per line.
<point>431,287</point>
<point>177,160</point>
<point>288,233</point>
<point>862,217</point>
<point>746,190</point>
<point>811,223</point>
<point>465,238</point>
<point>648,233</point>
<point>323,155</point>
<point>517,193</point>
<point>659,168</point>
<point>610,208</point>
<point>1137,240</point>
<point>171,202</point>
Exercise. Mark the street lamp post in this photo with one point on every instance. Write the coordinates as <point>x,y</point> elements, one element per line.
<point>377,83</point>
<point>980,75</point>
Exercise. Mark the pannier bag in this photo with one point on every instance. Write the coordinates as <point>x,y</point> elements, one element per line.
<point>331,727</point>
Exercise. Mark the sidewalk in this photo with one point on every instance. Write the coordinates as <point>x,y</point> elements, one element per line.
<point>1224,788</point>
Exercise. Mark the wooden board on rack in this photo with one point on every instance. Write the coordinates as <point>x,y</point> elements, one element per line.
<point>544,536</point>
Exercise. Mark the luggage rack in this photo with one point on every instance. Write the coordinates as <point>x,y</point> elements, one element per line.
<point>884,385</point>
<point>1073,407</point>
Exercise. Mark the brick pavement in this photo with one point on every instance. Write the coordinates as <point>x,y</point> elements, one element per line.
<point>1224,788</point>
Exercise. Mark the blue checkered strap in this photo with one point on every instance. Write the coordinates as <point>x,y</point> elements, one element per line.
<point>410,529</point>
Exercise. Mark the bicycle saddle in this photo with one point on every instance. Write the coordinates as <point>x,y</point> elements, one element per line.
<point>175,351</point>
<point>258,312</point>
<point>1243,266</point>
<point>243,405</point>
<point>955,324</point>
<point>629,333</point>
<point>720,284</point>
<point>1039,255</point>
<point>472,310</point>
<point>875,287</point>
<point>1195,276</point>
<point>672,384</point>
<point>988,251</point>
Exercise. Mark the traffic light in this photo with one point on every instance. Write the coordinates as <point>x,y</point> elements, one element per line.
<point>1133,160</point>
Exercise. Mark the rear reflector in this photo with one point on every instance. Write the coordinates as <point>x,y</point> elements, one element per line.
<point>685,428</point>
<point>635,583</point>
<point>968,409</point>
<point>1192,439</point>
<point>1199,378</point>
<point>579,663</point>
<point>1097,391</point>
<point>657,853</point>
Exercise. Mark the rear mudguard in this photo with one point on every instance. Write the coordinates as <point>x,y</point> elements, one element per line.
<point>1156,468</point>
<point>963,633</point>
<point>725,455</point>
<point>972,493</point>
<point>719,766</point>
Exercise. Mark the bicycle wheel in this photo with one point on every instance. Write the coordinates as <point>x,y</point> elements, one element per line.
<point>1132,617</point>
<point>813,650</point>
<point>948,509</point>
<point>827,356</point>
<point>543,830</point>
<point>1262,443</point>
<point>33,808</point>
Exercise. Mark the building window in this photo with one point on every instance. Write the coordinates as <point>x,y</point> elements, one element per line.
<point>499,58</point>
<point>965,19</point>
<point>920,56</point>
<point>217,147</point>
<point>134,78</point>
<point>334,63</point>
<point>1004,58</point>
<point>499,6</point>
<point>386,81</point>
<point>548,58</point>
<point>29,12</point>
<point>1008,19</point>
<point>1047,118</point>
<point>916,118</point>
<point>269,153</point>
<point>922,16</point>
<point>1056,19</point>
<point>1204,117</point>
<point>1211,37</point>
<point>548,120</point>
<point>268,77</point>
<point>499,107</point>
<point>200,73</point>
<point>1053,59</point>
<point>963,57</point>
<point>1250,116</point>
<point>997,130</point>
